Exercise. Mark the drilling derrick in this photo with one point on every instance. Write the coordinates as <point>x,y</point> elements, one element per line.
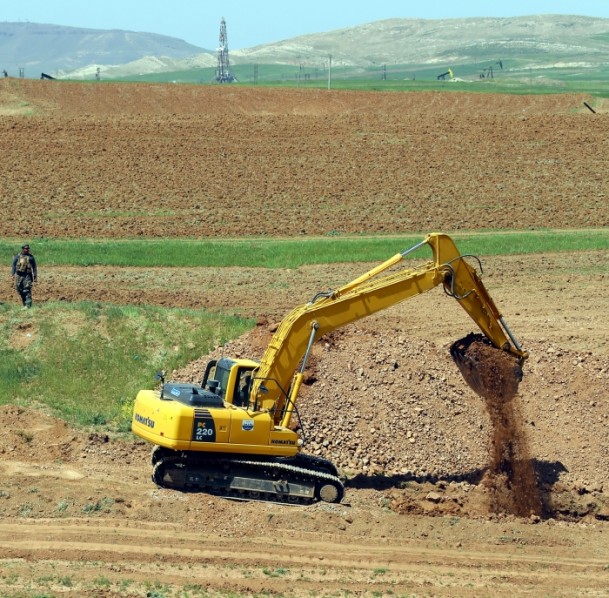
<point>222,73</point>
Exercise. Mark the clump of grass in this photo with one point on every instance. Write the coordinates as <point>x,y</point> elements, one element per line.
<point>157,590</point>
<point>102,582</point>
<point>278,572</point>
<point>66,581</point>
<point>103,504</point>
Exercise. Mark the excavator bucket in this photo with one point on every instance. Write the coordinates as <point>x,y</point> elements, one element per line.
<point>492,373</point>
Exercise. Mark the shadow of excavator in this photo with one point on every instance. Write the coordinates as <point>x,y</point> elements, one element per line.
<point>547,474</point>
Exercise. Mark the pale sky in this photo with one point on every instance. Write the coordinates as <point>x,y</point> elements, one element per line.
<point>253,22</point>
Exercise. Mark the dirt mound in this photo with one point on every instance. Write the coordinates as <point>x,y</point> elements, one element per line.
<point>393,412</point>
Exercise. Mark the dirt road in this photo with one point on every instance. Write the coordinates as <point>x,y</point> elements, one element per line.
<point>412,555</point>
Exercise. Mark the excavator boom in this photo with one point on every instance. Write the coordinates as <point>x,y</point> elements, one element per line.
<point>374,291</point>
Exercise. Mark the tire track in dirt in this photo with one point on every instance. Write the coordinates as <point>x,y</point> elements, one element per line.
<point>318,564</point>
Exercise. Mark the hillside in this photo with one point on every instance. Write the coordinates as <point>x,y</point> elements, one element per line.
<point>542,39</point>
<point>525,44</point>
<point>58,50</point>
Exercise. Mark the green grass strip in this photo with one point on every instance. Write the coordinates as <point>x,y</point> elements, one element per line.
<point>291,252</point>
<point>86,361</point>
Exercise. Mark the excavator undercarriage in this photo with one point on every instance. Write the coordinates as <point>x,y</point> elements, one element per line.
<point>295,480</point>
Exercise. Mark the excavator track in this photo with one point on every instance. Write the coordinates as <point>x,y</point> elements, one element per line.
<point>298,480</point>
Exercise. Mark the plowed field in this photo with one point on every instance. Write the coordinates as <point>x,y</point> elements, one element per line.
<point>79,515</point>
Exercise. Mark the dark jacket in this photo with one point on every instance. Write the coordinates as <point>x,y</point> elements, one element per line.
<point>33,269</point>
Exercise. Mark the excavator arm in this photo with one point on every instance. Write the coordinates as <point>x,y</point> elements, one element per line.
<point>279,376</point>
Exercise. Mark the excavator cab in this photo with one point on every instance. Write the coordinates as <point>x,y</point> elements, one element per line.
<point>230,379</point>
<point>242,390</point>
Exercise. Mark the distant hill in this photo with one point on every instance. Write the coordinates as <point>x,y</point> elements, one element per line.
<point>58,50</point>
<point>532,42</point>
<point>424,41</point>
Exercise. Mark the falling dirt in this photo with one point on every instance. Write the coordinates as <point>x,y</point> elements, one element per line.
<point>495,375</point>
<point>510,478</point>
<point>492,373</point>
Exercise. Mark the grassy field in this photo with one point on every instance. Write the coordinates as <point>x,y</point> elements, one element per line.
<point>519,79</point>
<point>86,361</point>
<point>290,252</point>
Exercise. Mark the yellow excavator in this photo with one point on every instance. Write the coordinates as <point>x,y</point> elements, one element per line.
<point>232,434</point>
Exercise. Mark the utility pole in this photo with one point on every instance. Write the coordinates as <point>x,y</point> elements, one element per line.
<point>329,71</point>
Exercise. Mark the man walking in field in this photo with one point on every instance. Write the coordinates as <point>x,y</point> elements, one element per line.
<point>24,274</point>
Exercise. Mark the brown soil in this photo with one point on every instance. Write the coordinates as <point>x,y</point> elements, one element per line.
<point>448,493</point>
<point>160,160</point>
